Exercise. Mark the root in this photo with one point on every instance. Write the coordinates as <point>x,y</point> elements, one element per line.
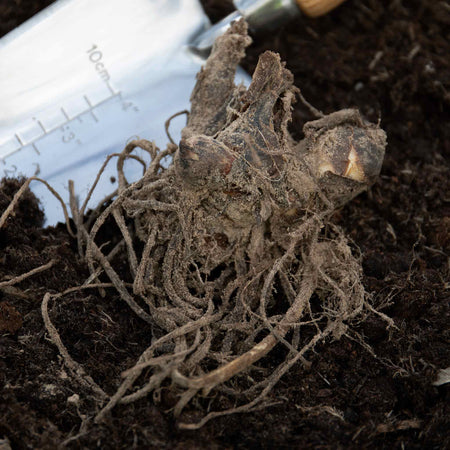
<point>230,249</point>
<point>255,404</point>
<point>24,276</point>
<point>75,368</point>
<point>243,362</point>
<point>8,211</point>
<point>190,330</point>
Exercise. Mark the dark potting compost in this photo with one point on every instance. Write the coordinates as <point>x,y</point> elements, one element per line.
<point>268,288</point>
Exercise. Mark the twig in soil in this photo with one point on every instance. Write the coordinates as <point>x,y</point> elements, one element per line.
<point>320,409</point>
<point>75,368</point>
<point>316,113</point>
<point>22,190</point>
<point>24,276</point>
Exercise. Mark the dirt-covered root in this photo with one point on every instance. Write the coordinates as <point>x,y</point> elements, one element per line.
<point>316,269</point>
<point>230,250</point>
<point>215,315</point>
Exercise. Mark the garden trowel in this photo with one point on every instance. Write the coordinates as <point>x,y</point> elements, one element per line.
<point>83,77</point>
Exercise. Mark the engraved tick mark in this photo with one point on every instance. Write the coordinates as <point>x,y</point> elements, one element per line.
<point>20,140</point>
<point>40,125</point>
<point>35,148</point>
<point>90,108</point>
<point>65,114</point>
<point>111,89</point>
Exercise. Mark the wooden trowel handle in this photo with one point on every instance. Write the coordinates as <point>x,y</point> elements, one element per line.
<point>316,8</point>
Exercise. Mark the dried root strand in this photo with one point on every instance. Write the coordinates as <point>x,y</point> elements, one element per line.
<point>243,362</point>
<point>21,192</point>
<point>173,277</point>
<point>29,274</point>
<point>230,249</point>
<point>75,368</point>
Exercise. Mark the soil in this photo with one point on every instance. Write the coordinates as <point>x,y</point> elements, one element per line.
<point>389,60</point>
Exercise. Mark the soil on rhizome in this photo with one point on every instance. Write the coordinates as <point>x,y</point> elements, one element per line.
<point>401,226</point>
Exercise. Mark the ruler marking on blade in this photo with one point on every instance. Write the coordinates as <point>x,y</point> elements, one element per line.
<point>111,89</point>
<point>35,148</point>
<point>94,116</point>
<point>42,126</point>
<point>68,119</point>
<point>20,140</point>
<point>90,108</point>
<point>65,114</point>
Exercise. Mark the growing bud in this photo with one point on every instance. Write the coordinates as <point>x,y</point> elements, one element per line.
<point>343,150</point>
<point>201,159</point>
